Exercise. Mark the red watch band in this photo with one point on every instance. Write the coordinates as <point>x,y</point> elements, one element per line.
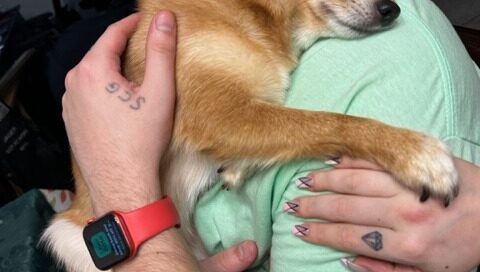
<point>144,223</point>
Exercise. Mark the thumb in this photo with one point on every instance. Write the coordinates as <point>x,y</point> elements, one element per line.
<point>160,55</point>
<point>236,258</point>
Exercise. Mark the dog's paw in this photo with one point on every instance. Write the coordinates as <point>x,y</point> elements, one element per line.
<point>232,176</point>
<point>429,169</point>
<point>234,173</point>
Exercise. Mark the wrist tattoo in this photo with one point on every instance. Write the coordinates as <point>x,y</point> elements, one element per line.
<point>127,96</point>
<point>373,240</point>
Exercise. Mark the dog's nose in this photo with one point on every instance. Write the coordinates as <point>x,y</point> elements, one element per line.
<point>388,10</point>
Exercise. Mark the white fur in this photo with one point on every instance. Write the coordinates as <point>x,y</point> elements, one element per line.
<point>435,164</point>
<point>65,240</point>
<point>304,37</point>
<point>188,175</point>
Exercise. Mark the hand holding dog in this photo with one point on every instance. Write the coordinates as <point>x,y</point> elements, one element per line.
<point>415,236</point>
<point>119,131</point>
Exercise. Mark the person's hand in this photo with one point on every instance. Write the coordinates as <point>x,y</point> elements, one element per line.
<point>235,259</point>
<point>118,131</point>
<point>374,216</point>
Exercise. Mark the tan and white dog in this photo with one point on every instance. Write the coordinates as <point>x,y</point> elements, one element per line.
<point>233,65</point>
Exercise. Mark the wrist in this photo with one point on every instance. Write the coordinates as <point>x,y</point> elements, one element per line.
<point>168,250</point>
<point>117,236</point>
<point>123,193</point>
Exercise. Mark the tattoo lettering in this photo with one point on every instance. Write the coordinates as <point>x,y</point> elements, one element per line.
<point>127,96</point>
<point>139,101</point>
<point>373,240</point>
<point>112,87</point>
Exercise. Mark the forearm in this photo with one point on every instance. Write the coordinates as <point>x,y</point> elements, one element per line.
<point>165,252</point>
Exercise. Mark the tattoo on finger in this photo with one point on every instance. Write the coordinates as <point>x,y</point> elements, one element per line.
<point>135,103</point>
<point>373,240</point>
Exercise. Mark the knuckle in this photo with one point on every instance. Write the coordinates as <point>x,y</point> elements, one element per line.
<point>416,213</point>
<point>112,28</point>
<point>68,79</point>
<point>64,102</point>
<point>222,264</point>
<point>350,181</point>
<point>414,248</point>
<point>85,70</point>
<point>163,48</point>
<point>345,236</point>
<point>64,106</point>
<point>341,207</point>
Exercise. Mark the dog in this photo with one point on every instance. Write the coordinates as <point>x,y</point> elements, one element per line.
<point>233,64</point>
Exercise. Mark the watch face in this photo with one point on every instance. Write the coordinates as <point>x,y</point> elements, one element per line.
<point>106,242</point>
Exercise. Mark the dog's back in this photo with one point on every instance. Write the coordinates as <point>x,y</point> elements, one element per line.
<point>220,42</point>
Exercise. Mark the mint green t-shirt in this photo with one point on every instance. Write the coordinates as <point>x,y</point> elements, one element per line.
<point>415,75</point>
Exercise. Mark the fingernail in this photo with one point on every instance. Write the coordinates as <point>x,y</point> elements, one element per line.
<point>300,230</point>
<point>290,207</point>
<point>241,251</point>
<point>245,250</point>
<point>333,161</point>
<point>352,266</point>
<point>304,182</point>
<point>164,21</point>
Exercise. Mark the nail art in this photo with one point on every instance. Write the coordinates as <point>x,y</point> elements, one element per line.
<point>352,266</point>
<point>333,161</point>
<point>300,230</point>
<point>304,182</point>
<point>290,207</point>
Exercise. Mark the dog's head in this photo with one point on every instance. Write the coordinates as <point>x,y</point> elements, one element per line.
<point>341,18</point>
<point>352,18</point>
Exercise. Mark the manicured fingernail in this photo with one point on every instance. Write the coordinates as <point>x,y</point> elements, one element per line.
<point>164,21</point>
<point>333,161</point>
<point>290,207</point>
<point>304,182</point>
<point>352,266</point>
<point>300,230</point>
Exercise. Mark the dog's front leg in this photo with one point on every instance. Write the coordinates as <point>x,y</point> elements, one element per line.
<point>230,123</point>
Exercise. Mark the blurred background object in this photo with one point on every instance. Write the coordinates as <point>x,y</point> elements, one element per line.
<point>40,41</point>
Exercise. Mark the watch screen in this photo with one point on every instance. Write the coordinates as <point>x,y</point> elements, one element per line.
<point>106,242</point>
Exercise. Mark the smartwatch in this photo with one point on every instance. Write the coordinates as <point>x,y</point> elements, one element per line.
<point>116,236</point>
